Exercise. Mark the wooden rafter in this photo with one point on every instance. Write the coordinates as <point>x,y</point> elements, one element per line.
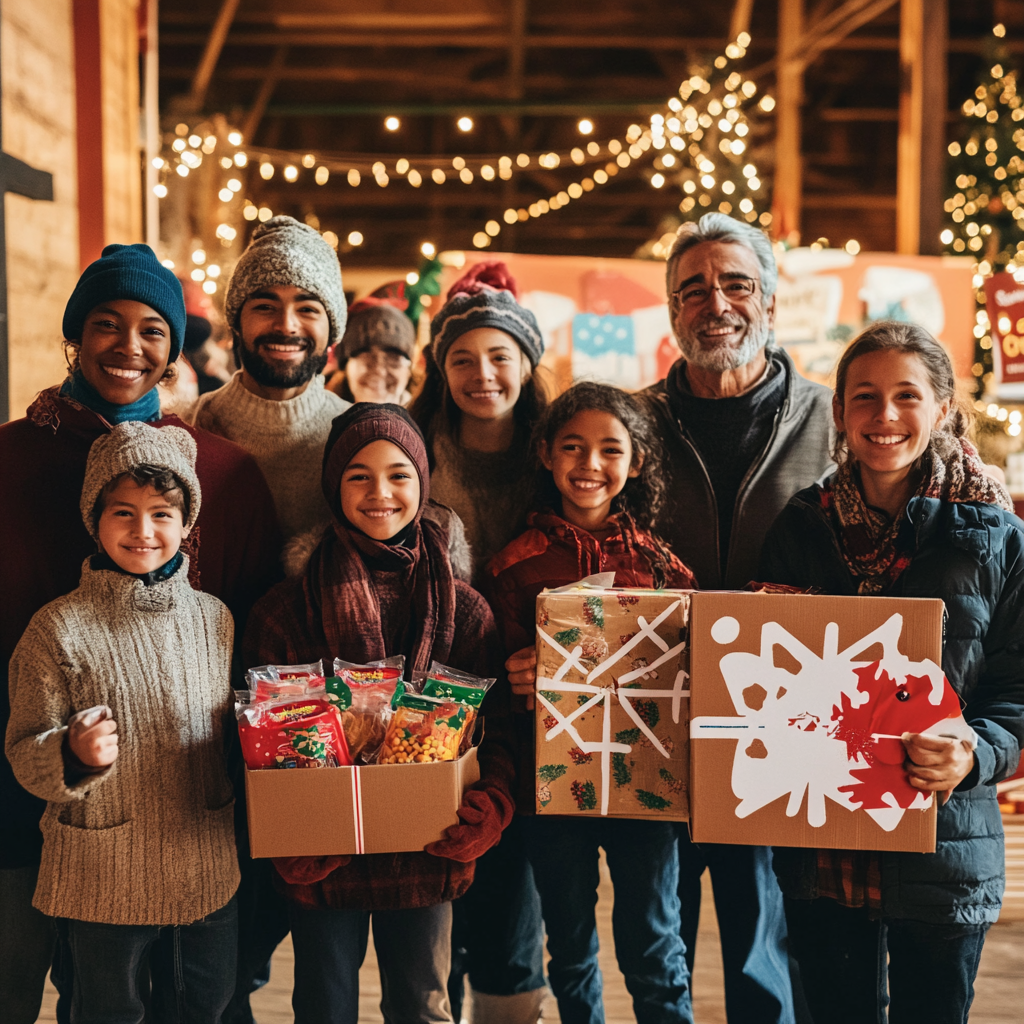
<point>211,54</point>
<point>266,90</point>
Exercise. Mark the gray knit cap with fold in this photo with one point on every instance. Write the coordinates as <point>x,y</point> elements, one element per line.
<point>134,444</point>
<point>285,252</point>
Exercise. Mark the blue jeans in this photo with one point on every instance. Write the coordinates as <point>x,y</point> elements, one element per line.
<point>843,954</point>
<point>644,867</point>
<point>498,934</point>
<point>751,923</point>
<point>27,938</point>
<point>413,954</point>
<point>192,968</point>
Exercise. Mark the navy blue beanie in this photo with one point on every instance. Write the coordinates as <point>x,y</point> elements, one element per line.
<point>127,272</point>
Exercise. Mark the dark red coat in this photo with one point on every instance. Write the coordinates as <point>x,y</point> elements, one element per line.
<point>235,547</point>
<point>554,553</point>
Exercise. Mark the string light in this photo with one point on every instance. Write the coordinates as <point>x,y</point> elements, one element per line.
<point>585,126</point>
<point>392,124</point>
<point>464,124</point>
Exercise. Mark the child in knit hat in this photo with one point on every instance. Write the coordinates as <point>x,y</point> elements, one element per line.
<point>119,693</point>
<point>479,403</point>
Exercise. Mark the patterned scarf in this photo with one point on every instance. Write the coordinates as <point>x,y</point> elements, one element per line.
<point>875,547</point>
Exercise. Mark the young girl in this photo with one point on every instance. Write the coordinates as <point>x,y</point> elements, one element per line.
<point>600,490</point>
<point>910,513</point>
<point>380,584</point>
<point>478,405</point>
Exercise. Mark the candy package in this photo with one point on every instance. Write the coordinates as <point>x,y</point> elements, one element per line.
<point>270,682</point>
<point>363,694</point>
<point>424,729</point>
<point>291,733</point>
<point>462,688</point>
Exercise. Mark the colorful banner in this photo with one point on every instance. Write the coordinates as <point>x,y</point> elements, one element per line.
<point>607,319</point>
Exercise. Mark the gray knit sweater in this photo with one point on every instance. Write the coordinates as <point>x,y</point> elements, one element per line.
<point>285,438</point>
<point>149,840</point>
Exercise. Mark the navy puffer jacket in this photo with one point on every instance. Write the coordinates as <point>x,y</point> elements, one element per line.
<point>972,556</point>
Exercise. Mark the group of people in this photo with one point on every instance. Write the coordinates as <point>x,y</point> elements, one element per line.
<point>149,559</point>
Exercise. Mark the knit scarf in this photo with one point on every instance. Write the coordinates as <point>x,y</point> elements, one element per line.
<point>339,586</point>
<point>877,548</point>
<point>146,409</point>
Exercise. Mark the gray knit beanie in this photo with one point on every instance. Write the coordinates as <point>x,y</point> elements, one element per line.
<point>284,251</point>
<point>376,324</point>
<point>134,444</point>
<point>486,296</point>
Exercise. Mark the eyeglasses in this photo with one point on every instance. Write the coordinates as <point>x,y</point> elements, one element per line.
<point>735,290</point>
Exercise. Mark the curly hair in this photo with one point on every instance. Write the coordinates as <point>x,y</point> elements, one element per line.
<point>643,494</point>
<point>896,336</point>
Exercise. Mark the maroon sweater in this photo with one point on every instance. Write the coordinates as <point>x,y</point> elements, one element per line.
<point>235,547</point>
<point>554,553</point>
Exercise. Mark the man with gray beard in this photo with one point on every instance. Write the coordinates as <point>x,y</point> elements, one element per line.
<point>742,433</point>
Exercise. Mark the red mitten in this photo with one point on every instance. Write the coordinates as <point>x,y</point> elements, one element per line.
<point>483,815</point>
<point>307,870</point>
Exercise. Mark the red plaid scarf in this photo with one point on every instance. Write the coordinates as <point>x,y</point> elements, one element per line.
<point>875,547</point>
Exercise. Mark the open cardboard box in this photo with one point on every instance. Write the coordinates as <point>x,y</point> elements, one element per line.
<point>380,808</point>
<point>797,702</point>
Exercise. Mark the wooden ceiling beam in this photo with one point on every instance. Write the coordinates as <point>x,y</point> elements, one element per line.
<point>211,54</point>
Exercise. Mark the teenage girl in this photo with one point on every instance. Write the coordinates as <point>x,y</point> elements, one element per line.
<point>910,513</point>
<point>600,488</point>
<point>477,408</point>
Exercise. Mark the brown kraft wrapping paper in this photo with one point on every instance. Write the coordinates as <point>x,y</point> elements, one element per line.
<point>612,707</point>
<point>797,706</point>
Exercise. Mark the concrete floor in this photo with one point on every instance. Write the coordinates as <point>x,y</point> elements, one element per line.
<point>999,997</point>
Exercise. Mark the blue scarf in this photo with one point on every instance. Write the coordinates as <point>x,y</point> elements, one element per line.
<point>145,410</point>
<point>103,561</point>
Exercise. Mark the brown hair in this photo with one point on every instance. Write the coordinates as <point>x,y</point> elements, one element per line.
<point>894,336</point>
<point>161,479</point>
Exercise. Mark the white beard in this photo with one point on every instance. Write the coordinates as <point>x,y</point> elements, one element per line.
<point>723,358</point>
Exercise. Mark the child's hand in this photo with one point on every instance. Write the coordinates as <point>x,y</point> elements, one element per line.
<point>937,763</point>
<point>92,736</point>
<point>522,673</point>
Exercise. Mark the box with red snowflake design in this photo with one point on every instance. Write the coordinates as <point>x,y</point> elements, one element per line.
<point>612,703</point>
<point>798,706</point>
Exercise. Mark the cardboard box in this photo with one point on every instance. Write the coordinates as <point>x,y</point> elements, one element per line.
<point>797,703</point>
<point>381,808</point>
<point>612,707</point>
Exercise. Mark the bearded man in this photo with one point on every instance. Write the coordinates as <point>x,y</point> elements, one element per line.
<point>742,433</point>
<point>285,305</point>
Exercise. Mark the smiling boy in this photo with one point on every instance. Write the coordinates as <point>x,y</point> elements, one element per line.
<point>120,692</point>
<point>285,305</point>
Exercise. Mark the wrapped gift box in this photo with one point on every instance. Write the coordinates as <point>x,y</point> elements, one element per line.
<point>797,708</point>
<point>612,703</point>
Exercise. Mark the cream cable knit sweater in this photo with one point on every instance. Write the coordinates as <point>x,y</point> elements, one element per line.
<point>285,438</point>
<point>150,840</point>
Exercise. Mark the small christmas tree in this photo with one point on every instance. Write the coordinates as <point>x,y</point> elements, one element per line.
<point>986,202</point>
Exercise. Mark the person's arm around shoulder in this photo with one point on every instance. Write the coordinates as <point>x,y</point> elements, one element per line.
<point>57,754</point>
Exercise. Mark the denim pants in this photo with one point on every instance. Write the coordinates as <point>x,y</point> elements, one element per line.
<point>413,955</point>
<point>751,923</point>
<point>497,933</point>
<point>27,938</point>
<point>843,954</point>
<point>644,866</point>
<point>192,968</point>
<point>262,926</point>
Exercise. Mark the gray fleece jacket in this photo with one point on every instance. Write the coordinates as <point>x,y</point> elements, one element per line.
<point>797,454</point>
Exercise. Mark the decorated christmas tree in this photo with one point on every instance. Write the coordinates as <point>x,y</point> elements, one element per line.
<point>985,204</point>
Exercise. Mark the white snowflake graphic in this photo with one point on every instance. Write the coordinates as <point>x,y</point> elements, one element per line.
<point>783,720</point>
